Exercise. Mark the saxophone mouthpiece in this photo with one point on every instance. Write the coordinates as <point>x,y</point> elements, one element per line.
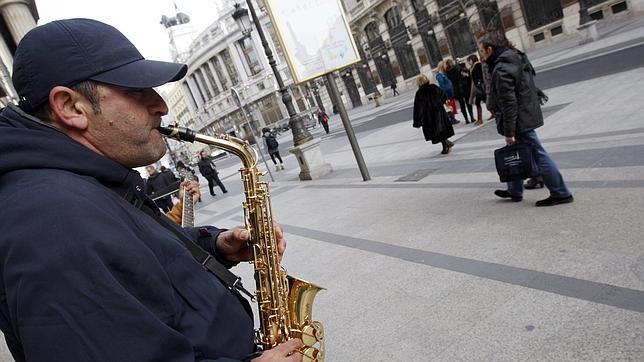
<point>179,133</point>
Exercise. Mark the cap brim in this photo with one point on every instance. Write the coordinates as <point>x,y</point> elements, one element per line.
<point>143,74</point>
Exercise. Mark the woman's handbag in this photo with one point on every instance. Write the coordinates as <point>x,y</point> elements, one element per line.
<point>516,162</point>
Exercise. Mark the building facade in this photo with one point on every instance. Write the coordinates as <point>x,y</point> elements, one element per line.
<point>18,17</point>
<point>222,61</point>
<point>399,39</point>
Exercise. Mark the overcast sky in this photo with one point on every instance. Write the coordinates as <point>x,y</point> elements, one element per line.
<point>139,20</point>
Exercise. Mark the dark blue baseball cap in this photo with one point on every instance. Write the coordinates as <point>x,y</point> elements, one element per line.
<point>67,52</point>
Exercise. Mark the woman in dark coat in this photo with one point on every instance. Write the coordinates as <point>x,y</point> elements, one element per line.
<point>429,113</point>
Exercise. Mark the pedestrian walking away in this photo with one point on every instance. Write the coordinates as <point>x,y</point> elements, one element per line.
<point>324,120</point>
<point>430,114</point>
<point>394,88</point>
<point>519,113</point>
<point>273,148</point>
<point>91,269</point>
<point>209,171</point>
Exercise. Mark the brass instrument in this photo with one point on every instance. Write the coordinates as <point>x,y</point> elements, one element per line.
<point>284,302</point>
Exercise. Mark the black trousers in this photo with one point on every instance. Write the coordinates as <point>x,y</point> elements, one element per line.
<point>466,107</point>
<point>274,155</point>
<point>212,180</point>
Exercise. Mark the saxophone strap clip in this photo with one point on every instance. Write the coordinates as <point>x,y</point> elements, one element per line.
<point>237,285</point>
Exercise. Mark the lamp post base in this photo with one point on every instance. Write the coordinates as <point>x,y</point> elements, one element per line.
<point>309,157</point>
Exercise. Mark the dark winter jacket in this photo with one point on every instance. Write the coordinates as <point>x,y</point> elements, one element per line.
<point>515,93</point>
<point>454,75</point>
<point>161,183</point>
<point>206,167</point>
<point>429,113</point>
<point>271,142</point>
<point>87,276</point>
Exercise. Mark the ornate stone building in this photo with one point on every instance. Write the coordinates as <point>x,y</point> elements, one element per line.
<point>400,39</point>
<point>18,17</point>
<point>222,58</point>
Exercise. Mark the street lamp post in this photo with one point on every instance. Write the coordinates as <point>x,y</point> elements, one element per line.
<point>300,134</point>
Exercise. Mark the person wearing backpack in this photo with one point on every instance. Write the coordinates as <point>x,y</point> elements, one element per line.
<point>445,84</point>
<point>273,148</point>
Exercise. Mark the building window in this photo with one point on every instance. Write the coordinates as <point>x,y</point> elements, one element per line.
<point>250,56</point>
<point>372,31</point>
<point>230,67</point>
<point>399,41</point>
<point>540,13</point>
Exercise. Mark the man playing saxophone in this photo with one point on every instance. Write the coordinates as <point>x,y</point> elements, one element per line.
<point>87,274</point>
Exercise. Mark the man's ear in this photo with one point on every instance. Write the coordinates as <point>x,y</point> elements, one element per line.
<point>70,107</point>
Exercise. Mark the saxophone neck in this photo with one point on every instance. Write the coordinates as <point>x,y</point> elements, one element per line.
<point>234,145</point>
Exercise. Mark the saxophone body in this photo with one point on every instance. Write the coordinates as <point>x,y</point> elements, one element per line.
<point>284,302</point>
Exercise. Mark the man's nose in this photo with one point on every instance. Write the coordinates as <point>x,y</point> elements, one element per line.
<point>157,104</point>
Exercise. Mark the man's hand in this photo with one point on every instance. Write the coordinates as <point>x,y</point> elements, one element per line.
<point>510,140</point>
<point>282,352</point>
<point>233,244</point>
<point>193,188</point>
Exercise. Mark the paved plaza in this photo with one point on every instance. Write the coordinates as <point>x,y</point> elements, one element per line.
<point>424,263</point>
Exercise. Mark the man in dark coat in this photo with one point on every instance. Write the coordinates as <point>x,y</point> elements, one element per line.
<point>208,170</point>
<point>519,112</point>
<point>88,271</point>
<point>430,114</point>
<point>160,183</point>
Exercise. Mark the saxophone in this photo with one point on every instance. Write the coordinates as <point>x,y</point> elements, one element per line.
<point>284,302</point>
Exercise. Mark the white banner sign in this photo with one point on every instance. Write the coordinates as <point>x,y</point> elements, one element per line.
<point>315,35</point>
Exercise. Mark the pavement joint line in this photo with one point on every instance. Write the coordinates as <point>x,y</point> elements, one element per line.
<point>589,55</point>
<point>596,184</point>
<point>595,292</point>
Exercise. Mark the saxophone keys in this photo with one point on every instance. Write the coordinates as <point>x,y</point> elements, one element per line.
<point>312,334</point>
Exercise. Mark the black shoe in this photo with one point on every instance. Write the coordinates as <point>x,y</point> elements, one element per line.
<point>533,183</point>
<point>551,201</point>
<point>225,191</point>
<point>504,194</point>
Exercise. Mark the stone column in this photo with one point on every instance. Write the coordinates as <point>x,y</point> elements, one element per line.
<point>18,18</point>
<point>215,77</point>
<point>203,70</point>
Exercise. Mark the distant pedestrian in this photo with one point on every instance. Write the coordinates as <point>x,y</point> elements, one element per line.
<point>490,102</point>
<point>209,171</point>
<point>158,185</point>
<point>460,83</point>
<point>187,173</point>
<point>430,114</point>
<point>394,87</point>
<point>519,113</point>
<point>447,87</point>
<point>273,148</point>
<point>477,86</point>
<point>324,120</point>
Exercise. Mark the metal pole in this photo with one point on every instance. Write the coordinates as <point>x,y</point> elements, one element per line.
<point>300,134</point>
<point>347,127</point>
<point>257,141</point>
